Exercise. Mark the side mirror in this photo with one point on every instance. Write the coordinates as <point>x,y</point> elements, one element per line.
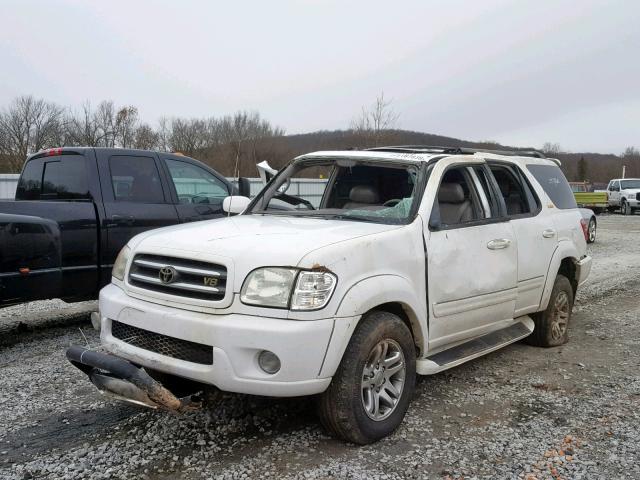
<point>235,204</point>
<point>244,187</point>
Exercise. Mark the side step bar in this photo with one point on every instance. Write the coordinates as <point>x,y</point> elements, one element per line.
<point>475,348</point>
<point>123,380</point>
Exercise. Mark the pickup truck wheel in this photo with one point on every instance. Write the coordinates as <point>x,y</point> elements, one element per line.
<point>371,390</point>
<point>625,208</point>
<point>552,325</point>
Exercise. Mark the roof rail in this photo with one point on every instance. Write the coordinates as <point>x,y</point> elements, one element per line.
<point>456,150</point>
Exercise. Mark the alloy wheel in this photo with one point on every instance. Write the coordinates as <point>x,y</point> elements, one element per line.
<point>560,316</point>
<point>383,379</point>
<point>592,231</point>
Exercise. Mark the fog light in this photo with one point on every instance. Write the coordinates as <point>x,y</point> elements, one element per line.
<point>269,362</point>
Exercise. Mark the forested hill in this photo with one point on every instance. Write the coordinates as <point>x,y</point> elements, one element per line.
<point>596,167</point>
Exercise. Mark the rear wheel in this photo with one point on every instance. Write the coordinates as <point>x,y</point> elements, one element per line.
<point>371,390</point>
<point>552,325</point>
<point>591,231</point>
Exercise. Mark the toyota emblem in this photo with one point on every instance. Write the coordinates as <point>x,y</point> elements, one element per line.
<point>167,274</point>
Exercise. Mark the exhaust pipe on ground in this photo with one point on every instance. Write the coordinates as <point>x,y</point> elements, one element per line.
<point>123,380</point>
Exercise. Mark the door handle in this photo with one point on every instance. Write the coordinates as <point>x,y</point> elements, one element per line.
<point>549,233</point>
<point>498,244</point>
<point>123,219</point>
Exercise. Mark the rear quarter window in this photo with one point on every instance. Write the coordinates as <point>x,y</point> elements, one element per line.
<point>30,182</point>
<point>555,185</point>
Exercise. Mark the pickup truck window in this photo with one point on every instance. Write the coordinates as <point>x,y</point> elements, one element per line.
<point>30,182</point>
<point>554,184</point>
<point>65,178</point>
<point>630,184</point>
<point>194,184</point>
<point>135,179</point>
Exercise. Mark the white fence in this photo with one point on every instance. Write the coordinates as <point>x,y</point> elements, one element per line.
<point>8,184</point>
<point>307,188</point>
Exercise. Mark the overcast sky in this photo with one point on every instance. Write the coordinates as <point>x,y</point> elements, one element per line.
<point>521,73</point>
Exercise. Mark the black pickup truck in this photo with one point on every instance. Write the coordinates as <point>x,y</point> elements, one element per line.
<point>75,208</point>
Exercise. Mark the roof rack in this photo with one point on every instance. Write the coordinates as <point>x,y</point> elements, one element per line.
<point>456,150</point>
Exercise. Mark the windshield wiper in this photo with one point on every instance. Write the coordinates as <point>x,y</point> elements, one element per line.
<point>355,218</point>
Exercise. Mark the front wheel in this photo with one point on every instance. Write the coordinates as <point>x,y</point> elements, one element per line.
<point>626,208</point>
<point>371,390</point>
<point>552,325</point>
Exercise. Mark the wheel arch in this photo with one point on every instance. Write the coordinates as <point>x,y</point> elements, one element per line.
<point>564,262</point>
<point>388,293</point>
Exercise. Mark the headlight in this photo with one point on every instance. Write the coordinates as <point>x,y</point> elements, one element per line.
<point>313,290</point>
<point>274,287</point>
<point>120,264</point>
<point>268,287</point>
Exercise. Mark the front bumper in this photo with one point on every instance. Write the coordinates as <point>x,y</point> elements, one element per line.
<point>237,341</point>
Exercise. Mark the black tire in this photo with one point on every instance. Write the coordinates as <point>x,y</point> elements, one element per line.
<point>545,333</point>
<point>625,209</point>
<point>341,407</point>
<point>591,231</point>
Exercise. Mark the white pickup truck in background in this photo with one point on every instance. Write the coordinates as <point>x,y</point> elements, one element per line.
<point>624,193</point>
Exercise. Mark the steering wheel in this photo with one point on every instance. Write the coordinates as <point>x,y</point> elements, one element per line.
<point>200,197</point>
<point>392,203</point>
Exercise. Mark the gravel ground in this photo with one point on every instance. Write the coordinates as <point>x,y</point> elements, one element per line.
<point>521,412</point>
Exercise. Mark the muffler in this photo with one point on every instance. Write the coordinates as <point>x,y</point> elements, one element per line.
<point>125,381</point>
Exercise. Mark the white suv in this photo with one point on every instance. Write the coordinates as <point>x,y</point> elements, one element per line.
<point>414,260</point>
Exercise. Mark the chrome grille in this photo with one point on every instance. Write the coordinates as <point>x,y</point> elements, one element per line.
<point>189,278</point>
<point>163,344</point>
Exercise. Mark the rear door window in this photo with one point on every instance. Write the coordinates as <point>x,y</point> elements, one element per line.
<point>65,178</point>
<point>135,179</point>
<point>554,183</point>
<point>517,195</point>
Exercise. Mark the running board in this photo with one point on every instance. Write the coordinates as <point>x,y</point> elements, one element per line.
<point>475,348</point>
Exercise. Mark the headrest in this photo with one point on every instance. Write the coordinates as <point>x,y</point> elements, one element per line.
<point>363,194</point>
<point>450,193</point>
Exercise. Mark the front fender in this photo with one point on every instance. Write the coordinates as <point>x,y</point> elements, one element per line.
<point>366,295</point>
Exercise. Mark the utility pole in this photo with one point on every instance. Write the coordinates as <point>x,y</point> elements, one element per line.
<point>624,169</point>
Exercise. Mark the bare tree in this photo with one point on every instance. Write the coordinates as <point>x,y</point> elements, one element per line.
<point>373,124</point>
<point>164,134</point>
<point>192,136</point>
<point>551,149</point>
<point>29,125</point>
<point>82,128</point>
<point>145,138</point>
<point>126,122</point>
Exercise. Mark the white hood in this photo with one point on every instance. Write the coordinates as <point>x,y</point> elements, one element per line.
<point>251,241</point>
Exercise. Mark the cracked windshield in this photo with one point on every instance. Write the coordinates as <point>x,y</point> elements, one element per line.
<point>345,190</point>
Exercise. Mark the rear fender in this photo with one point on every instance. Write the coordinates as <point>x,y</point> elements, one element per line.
<point>564,250</point>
